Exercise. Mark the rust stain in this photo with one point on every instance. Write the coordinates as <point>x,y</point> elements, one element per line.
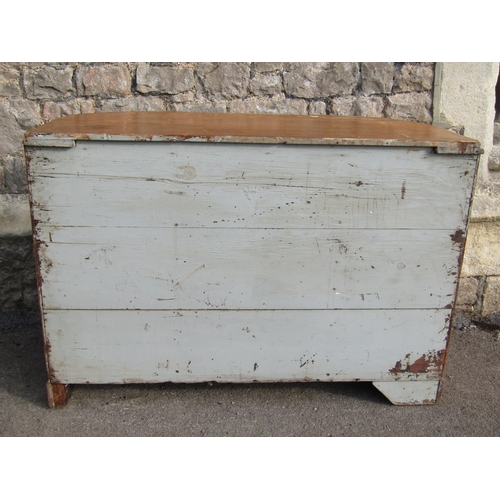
<point>403,190</point>
<point>427,363</point>
<point>48,346</point>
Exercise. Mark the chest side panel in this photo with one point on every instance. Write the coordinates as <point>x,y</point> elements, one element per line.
<point>342,261</point>
<point>249,186</point>
<point>183,268</point>
<point>245,346</point>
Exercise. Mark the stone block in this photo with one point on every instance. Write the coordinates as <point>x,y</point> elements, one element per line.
<point>16,117</point>
<point>342,106</point>
<point>14,172</point>
<point>103,81</point>
<point>267,67</point>
<point>266,84</point>
<point>164,79</point>
<point>494,158</point>
<point>377,78</point>
<point>184,97</point>
<point>368,106</point>
<point>414,77</point>
<point>318,80</point>
<point>198,107</point>
<point>139,103</point>
<point>491,297</point>
<point>482,250</point>
<point>358,106</point>
<point>15,217</point>
<point>48,82</point>
<point>486,202</point>
<point>9,81</point>
<point>53,110</point>
<point>223,80</point>
<point>317,108</point>
<point>270,106</point>
<point>468,101</point>
<point>467,294</point>
<point>411,106</point>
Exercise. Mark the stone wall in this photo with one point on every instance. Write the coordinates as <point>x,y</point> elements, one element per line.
<point>34,93</point>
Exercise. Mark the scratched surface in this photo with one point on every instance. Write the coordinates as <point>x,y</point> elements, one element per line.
<point>243,262</point>
<point>248,128</point>
<point>244,346</point>
<point>182,268</point>
<point>233,186</point>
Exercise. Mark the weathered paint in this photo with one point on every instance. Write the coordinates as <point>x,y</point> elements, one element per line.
<point>114,346</point>
<point>209,268</point>
<point>238,186</point>
<point>248,262</point>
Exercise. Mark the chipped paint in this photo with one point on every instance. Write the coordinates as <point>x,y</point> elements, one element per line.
<point>431,362</point>
<point>458,236</point>
<point>254,267</point>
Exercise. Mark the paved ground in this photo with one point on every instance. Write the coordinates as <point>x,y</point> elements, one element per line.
<point>470,403</point>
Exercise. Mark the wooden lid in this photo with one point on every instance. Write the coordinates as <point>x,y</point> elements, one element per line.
<point>248,128</point>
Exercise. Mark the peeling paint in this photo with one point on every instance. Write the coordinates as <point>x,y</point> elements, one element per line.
<point>431,362</point>
<point>458,236</point>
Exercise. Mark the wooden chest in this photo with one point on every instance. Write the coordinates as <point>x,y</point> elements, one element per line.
<point>189,247</point>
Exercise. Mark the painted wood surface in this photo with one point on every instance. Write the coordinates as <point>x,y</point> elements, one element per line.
<point>183,268</point>
<point>245,346</point>
<point>414,392</point>
<point>227,185</point>
<point>192,262</point>
<point>250,128</point>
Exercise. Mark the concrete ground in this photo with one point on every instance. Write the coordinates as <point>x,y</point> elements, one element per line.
<point>469,406</point>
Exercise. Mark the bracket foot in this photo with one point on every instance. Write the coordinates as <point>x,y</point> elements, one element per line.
<point>57,395</point>
<point>410,392</point>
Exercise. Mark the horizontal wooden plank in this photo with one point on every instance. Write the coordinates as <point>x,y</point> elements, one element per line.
<point>250,128</point>
<point>228,185</point>
<point>244,346</point>
<point>181,268</point>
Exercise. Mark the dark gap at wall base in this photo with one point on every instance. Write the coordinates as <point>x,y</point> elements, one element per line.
<point>18,289</point>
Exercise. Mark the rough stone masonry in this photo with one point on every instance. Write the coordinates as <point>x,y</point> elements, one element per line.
<point>34,93</point>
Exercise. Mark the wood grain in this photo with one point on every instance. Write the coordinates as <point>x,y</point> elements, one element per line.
<point>190,248</point>
<point>255,128</point>
<point>229,185</point>
<point>245,346</point>
<point>131,268</point>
